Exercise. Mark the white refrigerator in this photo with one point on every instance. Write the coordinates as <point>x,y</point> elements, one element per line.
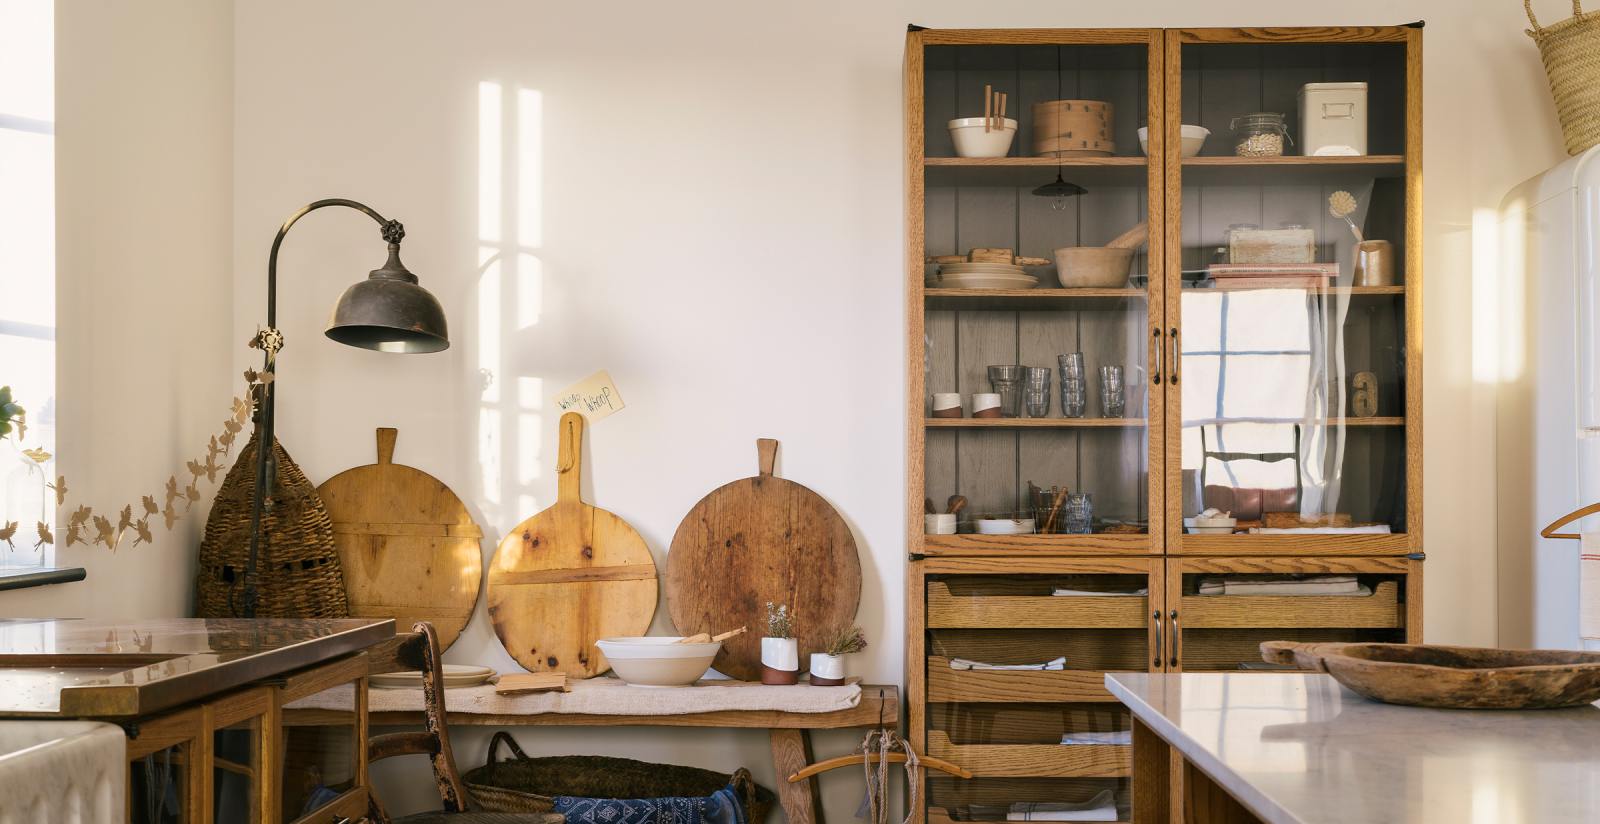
<point>1548,415</point>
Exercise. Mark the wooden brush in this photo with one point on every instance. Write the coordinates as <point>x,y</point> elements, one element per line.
<point>1055,509</point>
<point>955,504</point>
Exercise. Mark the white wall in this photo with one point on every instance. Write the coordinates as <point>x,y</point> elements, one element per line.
<point>716,219</point>
<point>144,143</point>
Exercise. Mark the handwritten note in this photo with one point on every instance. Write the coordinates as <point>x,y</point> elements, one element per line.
<point>595,397</point>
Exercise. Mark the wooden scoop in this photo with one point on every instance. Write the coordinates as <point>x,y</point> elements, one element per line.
<point>1131,239</point>
<point>703,638</point>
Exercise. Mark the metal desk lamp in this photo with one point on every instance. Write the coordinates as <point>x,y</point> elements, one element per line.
<point>387,312</point>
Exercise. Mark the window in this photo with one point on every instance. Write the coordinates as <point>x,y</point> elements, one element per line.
<point>27,266</point>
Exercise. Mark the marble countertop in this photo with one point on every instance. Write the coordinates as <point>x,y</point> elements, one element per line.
<point>1300,749</point>
<point>101,668</point>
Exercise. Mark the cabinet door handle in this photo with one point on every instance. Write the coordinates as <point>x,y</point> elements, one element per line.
<point>1173,662</point>
<point>1157,617</point>
<point>1155,375</point>
<point>1177,356</point>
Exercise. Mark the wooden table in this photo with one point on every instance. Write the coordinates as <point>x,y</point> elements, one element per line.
<point>1296,748</point>
<point>789,732</point>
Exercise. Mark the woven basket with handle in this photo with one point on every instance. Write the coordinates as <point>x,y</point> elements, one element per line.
<point>1571,53</point>
<point>298,569</point>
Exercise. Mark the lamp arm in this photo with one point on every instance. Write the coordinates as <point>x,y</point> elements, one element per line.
<point>392,231</point>
<point>270,340</point>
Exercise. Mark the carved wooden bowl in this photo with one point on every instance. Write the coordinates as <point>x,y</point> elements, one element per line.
<point>1422,675</point>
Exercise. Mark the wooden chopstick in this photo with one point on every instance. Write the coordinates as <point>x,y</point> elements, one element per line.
<point>988,106</point>
<point>1000,120</point>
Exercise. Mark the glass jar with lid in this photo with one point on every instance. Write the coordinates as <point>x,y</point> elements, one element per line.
<point>1259,134</point>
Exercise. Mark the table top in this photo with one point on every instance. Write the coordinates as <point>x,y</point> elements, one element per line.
<point>1300,749</point>
<point>101,668</point>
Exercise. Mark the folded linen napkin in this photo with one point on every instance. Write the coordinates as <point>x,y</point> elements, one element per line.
<point>1121,738</point>
<point>1059,663</point>
<point>1103,807</point>
<point>1270,585</point>
<point>1092,593</point>
<point>1374,529</point>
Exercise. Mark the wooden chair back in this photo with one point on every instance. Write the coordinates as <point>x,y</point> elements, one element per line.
<point>421,652</point>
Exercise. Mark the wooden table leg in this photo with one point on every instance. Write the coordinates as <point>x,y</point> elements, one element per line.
<point>1152,800</point>
<point>1206,803</point>
<point>791,751</point>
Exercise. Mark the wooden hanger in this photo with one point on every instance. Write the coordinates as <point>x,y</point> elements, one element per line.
<point>1550,531</point>
<point>858,759</point>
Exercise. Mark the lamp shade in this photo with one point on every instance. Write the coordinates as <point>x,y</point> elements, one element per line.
<point>389,312</point>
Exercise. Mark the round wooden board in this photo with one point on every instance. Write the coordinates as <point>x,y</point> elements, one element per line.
<point>569,576</point>
<point>409,547</point>
<point>757,540</point>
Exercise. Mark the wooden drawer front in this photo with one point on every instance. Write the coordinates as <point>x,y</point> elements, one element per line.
<point>1013,686</point>
<point>947,611</point>
<point>1380,610</point>
<point>1034,760</point>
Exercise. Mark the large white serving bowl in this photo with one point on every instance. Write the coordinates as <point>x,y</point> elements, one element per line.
<point>658,661</point>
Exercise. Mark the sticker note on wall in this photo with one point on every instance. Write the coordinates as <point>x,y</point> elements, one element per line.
<point>595,397</point>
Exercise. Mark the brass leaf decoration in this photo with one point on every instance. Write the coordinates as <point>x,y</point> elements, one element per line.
<point>170,514</point>
<point>74,534</point>
<point>143,536</point>
<point>44,536</point>
<point>60,486</point>
<point>36,455</point>
<point>150,507</point>
<point>8,532</point>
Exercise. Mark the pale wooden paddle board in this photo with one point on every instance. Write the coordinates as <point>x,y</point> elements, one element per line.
<point>570,576</point>
<point>409,547</point>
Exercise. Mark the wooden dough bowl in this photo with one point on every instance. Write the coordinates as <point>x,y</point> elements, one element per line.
<point>1422,675</point>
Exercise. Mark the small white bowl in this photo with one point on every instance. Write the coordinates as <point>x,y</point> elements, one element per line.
<point>1004,526</point>
<point>658,661</point>
<point>972,141</point>
<point>1213,526</point>
<point>1190,139</point>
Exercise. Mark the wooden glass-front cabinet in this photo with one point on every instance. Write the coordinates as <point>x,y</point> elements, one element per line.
<point>1261,336</point>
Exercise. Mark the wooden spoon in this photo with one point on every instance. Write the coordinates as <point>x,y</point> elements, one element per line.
<point>955,504</point>
<point>703,638</point>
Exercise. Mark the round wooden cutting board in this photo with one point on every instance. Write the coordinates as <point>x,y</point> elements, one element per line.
<point>758,540</point>
<point>408,545</point>
<point>570,576</point>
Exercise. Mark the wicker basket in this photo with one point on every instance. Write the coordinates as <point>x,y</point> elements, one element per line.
<point>298,569</point>
<point>1571,53</point>
<point>528,785</point>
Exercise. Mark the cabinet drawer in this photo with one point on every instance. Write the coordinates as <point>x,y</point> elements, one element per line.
<point>1380,610</point>
<point>1013,686</point>
<point>1034,760</point>
<point>950,611</point>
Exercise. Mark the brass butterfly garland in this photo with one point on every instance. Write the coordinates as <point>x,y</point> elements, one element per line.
<point>84,526</point>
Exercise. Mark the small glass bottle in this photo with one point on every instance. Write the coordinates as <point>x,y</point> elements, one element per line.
<point>1259,134</point>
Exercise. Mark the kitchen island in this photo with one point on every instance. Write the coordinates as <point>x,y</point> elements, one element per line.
<point>200,703</point>
<point>1292,748</point>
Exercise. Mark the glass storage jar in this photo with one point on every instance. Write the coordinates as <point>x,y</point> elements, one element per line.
<point>1259,134</point>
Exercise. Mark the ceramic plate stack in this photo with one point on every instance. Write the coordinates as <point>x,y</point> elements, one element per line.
<point>455,675</point>
<point>983,276</point>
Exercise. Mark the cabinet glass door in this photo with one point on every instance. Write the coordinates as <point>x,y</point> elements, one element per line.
<point>1034,394</point>
<point>1289,295</point>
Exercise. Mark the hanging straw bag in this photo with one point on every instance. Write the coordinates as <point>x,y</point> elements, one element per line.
<point>1571,53</point>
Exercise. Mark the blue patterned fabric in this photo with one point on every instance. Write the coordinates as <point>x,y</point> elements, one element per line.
<point>721,807</point>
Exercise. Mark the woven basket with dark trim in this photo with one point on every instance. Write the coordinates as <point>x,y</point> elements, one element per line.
<point>298,568</point>
<point>529,785</point>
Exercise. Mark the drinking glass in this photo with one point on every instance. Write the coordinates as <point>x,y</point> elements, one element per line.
<point>1006,380</point>
<point>1113,402</point>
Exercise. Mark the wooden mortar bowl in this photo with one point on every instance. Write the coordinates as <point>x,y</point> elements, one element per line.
<point>1424,675</point>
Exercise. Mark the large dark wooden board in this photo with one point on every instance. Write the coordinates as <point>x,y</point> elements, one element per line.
<point>756,540</point>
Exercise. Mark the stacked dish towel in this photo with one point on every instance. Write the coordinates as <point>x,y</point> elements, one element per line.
<point>964,664</point>
<point>1093,593</point>
<point>1103,807</point>
<point>1121,738</point>
<point>1277,585</point>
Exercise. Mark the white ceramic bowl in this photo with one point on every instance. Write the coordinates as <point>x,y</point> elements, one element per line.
<point>972,141</point>
<point>1004,526</point>
<point>1213,526</point>
<point>658,661</point>
<point>1190,139</point>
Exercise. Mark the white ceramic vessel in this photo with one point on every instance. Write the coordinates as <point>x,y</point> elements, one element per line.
<point>1190,140</point>
<point>827,667</point>
<point>658,661</point>
<point>972,141</point>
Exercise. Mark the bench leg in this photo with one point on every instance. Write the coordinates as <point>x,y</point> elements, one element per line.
<point>791,752</point>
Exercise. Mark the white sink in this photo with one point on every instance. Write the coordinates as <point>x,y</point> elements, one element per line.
<point>67,772</point>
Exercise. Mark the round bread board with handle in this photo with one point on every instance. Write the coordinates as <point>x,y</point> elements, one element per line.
<point>756,540</point>
<point>409,547</point>
<point>570,576</point>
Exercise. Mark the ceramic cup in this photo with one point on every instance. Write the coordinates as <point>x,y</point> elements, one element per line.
<point>986,405</point>
<point>939,523</point>
<point>780,661</point>
<point>947,404</point>
<point>1374,263</point>
<point>827,670</point>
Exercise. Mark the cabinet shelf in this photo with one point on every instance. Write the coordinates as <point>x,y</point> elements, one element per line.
<point>1014,686</point>
<point>948,611</point>
<point>940,298</point>
<point>1255,171</point>
<point>1380,610</point>
<point>1032,171</point>
<point>1033,423</point>
<point>1034,760</point>
<point>1101,543</point>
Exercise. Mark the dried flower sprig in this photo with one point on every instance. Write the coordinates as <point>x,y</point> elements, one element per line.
<point>779,623</point>
<point>1342,205</point>
<point>109,534</point>
<point>846,642</point>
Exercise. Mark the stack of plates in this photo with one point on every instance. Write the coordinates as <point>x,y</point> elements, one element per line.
<point>455,675</point>
<point>984,276</point>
